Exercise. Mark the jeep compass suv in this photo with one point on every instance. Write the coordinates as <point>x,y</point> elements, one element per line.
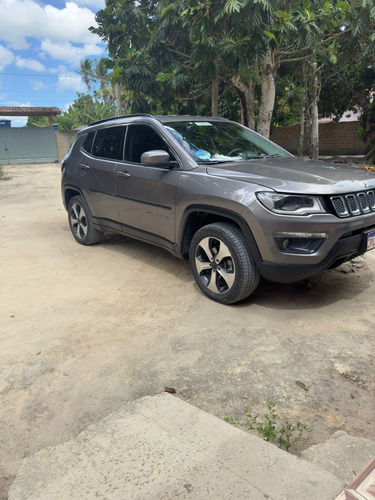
<point>214,192</point>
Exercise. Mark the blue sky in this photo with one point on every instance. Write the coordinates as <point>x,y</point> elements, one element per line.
<point>41,44</point>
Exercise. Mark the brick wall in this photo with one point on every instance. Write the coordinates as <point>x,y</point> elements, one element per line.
<point>334,139</point>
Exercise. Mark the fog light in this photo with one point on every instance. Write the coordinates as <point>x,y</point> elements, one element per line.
<point>300,243</point>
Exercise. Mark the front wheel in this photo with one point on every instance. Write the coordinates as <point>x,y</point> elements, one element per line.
<point>222,264</point>
<point>80,222</point>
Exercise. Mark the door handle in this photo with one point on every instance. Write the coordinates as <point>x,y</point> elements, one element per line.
<point>123,174</point>
<point>84,166</point>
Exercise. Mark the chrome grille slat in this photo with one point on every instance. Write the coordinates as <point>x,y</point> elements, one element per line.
<point>339,205</point>
<point>371,199</point>
<point>363,201</point>
<point>353,204</point>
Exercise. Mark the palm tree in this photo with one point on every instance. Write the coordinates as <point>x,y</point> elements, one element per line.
<point>100,72</point>
<point>86,72</point>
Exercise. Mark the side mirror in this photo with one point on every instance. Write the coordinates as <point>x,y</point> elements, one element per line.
<point>155,157</point>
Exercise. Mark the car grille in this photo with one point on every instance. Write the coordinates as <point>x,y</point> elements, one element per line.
<point>350,205</point>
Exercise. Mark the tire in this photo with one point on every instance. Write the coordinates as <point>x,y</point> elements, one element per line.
<point>222,264</point>
<point>80,222</point>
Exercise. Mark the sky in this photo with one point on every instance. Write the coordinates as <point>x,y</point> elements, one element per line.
<point>41,46</point>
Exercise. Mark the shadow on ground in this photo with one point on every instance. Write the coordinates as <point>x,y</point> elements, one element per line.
<point>326,288</point>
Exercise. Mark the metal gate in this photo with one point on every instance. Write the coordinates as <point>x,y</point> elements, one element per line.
<point>27,145</point>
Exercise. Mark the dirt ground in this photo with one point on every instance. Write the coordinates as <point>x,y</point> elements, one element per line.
<point>86,329</point>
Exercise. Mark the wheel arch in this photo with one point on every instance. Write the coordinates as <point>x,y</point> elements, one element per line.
<point>69,193</point>
<point>197,216</point>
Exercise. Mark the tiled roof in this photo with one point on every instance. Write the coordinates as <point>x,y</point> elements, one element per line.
<point>28,111</point>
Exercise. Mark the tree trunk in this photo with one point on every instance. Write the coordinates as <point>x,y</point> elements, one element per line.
<point>242,97</point>
<point>314,137</point>
<point>302,112</point>
<point>370,156</point>
<point>247,100</point>
<point>250,103</point>
<point>215,98</point>
<point>117,89</point>
<point>268,73</point>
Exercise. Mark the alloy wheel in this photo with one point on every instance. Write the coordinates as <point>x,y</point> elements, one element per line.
<point>215,265</point>
<point>78,220</point>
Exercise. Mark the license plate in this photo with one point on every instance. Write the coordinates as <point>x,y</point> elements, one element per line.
<point>371,240</point>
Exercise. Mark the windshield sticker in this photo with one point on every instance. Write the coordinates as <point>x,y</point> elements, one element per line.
<point>203,124</point>
<point>202,154</point>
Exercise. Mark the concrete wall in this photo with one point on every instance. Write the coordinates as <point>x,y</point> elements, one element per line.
<point>64,139</point>
<point>334,139</point>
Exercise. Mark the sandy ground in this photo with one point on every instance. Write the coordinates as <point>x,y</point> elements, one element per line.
<point>84,330</point>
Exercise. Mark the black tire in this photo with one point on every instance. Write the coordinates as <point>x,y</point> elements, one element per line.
<point>222,264</point>
<point>80,222</point>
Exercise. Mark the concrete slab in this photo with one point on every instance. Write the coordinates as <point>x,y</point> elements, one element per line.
<point>343,455</point>
<point>162,448</point>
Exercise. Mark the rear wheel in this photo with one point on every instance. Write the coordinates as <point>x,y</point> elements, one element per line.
<point>80,222</point>
<point>222,264</point>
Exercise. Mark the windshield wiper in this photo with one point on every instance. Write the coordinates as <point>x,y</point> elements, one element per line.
<point>214,162</point>
<point>277,155</point>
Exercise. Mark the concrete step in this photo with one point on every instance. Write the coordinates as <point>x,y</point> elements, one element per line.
<point>163,448</point>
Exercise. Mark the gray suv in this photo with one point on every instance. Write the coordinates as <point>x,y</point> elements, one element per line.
<point>214,192</point>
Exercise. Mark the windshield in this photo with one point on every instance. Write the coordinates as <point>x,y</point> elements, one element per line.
<point>214,142</point>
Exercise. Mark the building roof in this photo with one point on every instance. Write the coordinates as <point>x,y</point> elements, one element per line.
<point>28,111</point>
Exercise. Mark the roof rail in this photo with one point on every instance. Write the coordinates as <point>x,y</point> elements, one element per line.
<point>119,117</point>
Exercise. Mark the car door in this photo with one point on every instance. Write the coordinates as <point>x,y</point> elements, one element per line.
<point>146,194</point>
<point>96,174</point>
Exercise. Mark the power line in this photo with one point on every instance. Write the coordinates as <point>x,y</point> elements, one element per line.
<point>40,75</point>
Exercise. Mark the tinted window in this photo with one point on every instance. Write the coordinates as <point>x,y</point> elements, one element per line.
<point>108,143</point>
<point>87,143</point>
<point>142,138</point>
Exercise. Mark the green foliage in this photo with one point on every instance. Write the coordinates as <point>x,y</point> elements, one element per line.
<point>166,54</point>
<point>84,110</point>
<point>3,175</point>
<point>38,121</point>
<point>284,434</point>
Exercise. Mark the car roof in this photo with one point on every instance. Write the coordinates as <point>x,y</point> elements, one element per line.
<point>161,118</point>
<point>188,118</point>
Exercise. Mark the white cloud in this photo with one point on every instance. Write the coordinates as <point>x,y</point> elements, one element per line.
<point>39,85</point>
<point>60,69</point>
<point>95,4</point>
<point>31,64</point>
<point>69,52</point>
<point>23,19</point>
<point>6,57</point>
<point>69,83</point>
<point>67,80</point>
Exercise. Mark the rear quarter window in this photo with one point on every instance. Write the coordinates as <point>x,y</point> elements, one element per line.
<point>87,143</point>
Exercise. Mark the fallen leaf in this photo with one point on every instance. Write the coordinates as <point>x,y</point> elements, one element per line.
<point>301,384</point>
<point>170,390</point>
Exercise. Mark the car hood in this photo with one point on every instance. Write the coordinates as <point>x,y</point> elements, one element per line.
<point>297,175</point>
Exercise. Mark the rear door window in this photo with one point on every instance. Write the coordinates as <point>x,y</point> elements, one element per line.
<point>109,143</point>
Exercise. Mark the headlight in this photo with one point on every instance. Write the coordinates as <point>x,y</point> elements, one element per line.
<point>291,204</point>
